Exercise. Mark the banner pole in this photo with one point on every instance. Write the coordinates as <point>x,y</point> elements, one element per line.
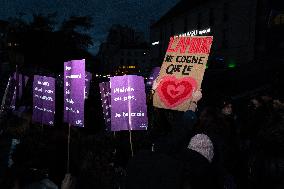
<point>130,141</point>
<point>68,148</point>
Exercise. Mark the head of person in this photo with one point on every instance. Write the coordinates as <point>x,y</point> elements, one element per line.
<point>255,103</point>
<point>227,109</point>
<point>202,144</point>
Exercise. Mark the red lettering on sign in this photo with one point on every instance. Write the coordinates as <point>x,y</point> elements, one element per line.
<point>194,45</point>
<point>183,44</point>
<point>207,42</point>
<point>170,48</point>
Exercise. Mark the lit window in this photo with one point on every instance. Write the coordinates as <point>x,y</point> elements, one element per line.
<point>279,19</point>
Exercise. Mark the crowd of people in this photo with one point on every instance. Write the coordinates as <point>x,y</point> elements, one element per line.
<point>228,144</point>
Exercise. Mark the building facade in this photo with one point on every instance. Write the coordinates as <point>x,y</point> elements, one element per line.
<point>240,28</point>
<point>124,52</point>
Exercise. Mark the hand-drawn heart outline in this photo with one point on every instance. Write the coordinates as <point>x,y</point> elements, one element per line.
<point>173,100</point>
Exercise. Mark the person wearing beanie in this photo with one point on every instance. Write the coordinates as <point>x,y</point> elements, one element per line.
<point>198,171</point>
<point>202,144</point>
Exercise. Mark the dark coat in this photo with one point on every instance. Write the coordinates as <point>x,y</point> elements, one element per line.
<point>151,170</point>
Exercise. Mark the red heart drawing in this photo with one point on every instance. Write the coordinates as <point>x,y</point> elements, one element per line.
<point>173,91</point>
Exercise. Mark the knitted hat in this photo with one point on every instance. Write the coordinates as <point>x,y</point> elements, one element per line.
<point>202,144</point>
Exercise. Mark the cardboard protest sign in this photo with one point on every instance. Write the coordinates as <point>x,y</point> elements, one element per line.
<point>106,102</point>
<point>128,103</point>
<point>182,71</point>
<point>74,93</point>
<point>43,100</point>
<point>88,78</point>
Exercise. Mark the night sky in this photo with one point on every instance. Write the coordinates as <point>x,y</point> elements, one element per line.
<point>134,13</point>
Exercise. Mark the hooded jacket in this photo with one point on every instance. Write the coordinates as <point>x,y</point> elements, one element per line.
<point>152,170</point>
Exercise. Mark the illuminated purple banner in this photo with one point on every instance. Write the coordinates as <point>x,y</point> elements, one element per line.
<point>19,84</point>
<point>88,78</point>
<point>74,85</point>
<point>154,74</point>
<point>43,100</point>
<point>128,103</point>
<point>106,102</point>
